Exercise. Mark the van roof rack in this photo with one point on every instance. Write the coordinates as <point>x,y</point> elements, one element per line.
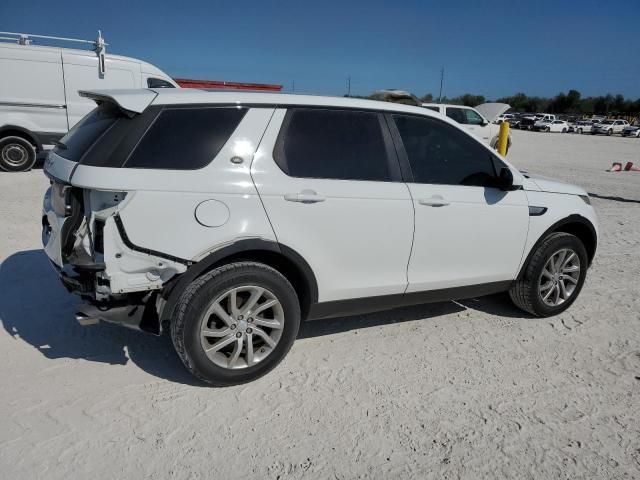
<point>99,45</point>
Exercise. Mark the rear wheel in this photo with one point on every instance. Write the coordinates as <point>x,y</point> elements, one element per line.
<point>564,130</point>
<point>553,277</point>
<point>16,154</point>
<point>236,323</point>
<point>609,132</point>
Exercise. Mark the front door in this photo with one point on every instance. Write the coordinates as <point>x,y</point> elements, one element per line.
<point>466,231</point>
<point>331,186</point>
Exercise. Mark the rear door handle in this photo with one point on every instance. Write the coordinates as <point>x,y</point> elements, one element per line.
<point>435,201</point>
<point>305,196</point>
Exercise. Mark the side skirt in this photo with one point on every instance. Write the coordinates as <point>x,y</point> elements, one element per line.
<point>357,306</point>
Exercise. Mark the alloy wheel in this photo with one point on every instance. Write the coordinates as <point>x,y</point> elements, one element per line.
<point>559,278</point>
<point>241,327</point>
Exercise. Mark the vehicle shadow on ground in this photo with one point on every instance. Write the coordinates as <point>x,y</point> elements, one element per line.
<point>35,308</point>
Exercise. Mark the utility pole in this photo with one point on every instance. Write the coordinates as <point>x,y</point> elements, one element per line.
<point>349,86</point>
<point>441,79</point>
<point>293,86</point>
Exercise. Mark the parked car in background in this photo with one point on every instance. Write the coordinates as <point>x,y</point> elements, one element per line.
<point>631,131</point>
<point>609,127</point>
<point>39,100</point>
<point>528,122</point>
<point>227,218</point>
<point>544,122</point>
<point>582,126</point>
<point>514,122</point>
<point>479,120</point>
<point>505,117</point>
<point>558,126</point>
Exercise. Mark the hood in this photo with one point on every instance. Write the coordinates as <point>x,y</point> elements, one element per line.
<point>551,185</point>
<point>490,111</point>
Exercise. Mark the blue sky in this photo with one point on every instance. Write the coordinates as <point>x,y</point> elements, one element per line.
<point>487,47</point>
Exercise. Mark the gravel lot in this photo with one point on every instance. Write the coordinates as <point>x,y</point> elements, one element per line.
<point>473,389</point>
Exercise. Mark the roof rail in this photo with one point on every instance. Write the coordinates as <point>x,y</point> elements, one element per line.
<point>99,45</point>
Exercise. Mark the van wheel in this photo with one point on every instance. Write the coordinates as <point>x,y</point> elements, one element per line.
<point>553,278</point>
<point>16,154</point>
<point>236,323</point>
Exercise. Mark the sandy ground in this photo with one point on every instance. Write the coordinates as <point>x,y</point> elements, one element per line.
<point>470,390</point>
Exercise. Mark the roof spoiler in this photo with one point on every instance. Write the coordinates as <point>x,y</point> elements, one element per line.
<point>131,102</point>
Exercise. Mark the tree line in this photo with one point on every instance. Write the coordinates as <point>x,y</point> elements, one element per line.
<point>570,102</point>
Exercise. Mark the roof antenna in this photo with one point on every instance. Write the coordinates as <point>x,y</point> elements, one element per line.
<point>101,49</point>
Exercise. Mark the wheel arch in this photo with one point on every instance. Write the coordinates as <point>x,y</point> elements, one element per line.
<point>16,131</point>
<point>278,256</point>
<point>575,225</point>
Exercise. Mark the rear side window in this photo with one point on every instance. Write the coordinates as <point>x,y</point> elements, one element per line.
<point>441,154</point>
<point>87,131</point>
<point>185,138</point>
<point>334,144</point>
<point>158,83</point>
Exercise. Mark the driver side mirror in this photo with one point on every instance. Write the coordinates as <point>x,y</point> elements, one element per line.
<point>505,180</point>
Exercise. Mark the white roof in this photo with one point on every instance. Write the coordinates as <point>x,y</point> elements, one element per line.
<point>138,100</point>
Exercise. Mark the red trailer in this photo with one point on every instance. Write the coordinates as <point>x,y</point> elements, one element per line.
<point>221,85</point>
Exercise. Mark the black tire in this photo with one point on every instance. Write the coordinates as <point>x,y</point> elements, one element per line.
<point>564,130</point>
<point>185,324</point>
<point>524,292</point>
<point>16,154</point>
<point>609,132</point>
<point>580,131</point>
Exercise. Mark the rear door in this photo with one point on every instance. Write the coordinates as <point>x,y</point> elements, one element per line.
<point>466,232</point>
<point>331,186</point>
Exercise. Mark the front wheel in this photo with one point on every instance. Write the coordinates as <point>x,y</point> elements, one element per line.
<point>553,277</point>
<point>16,154</point>
<point>580,131</point>
<point>236,323</point>
<point>609,132</point>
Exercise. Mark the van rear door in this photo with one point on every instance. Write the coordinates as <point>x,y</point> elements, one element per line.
<point>81,72</point>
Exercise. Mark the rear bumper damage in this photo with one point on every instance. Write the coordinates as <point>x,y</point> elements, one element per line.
<point>90,251</point>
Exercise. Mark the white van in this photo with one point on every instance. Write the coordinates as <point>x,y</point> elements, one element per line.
<point>39,85</point>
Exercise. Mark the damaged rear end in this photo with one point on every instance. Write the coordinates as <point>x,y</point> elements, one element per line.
<point>82,232</point>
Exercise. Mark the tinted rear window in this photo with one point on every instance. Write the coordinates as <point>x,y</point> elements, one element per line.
<point>87,131</point>
<point>334,144</point>
<point>185,138</point>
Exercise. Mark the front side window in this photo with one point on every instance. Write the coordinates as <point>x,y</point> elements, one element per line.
<point>472,117</point>
<point>457,114</point>
<point>333,144</point>
<point>185,138</point>
<point>441,154</point>
<point>158,83</point>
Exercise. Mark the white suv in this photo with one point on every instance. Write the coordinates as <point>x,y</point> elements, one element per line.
<point>227,218</point>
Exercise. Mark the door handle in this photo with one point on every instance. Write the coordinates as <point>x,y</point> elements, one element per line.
<point>435,201</point>
<point>305,196</point>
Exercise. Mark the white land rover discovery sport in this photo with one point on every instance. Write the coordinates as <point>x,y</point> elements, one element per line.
<point>227,218</point>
